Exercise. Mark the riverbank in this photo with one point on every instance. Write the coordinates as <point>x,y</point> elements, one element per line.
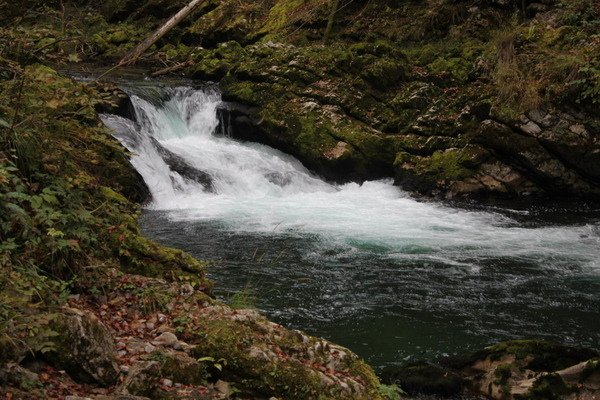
<point>84,293</point>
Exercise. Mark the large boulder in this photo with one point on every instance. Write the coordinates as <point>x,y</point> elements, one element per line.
<point>84,348</point>
<point>273,361</point>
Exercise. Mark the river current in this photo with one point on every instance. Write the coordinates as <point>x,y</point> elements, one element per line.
<point>365,265</point>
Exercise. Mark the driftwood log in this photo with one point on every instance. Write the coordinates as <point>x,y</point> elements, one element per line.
<point>134,54</point>
<point>171,69</point>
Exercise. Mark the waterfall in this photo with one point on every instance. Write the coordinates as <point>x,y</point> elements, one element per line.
<point>196,173</point>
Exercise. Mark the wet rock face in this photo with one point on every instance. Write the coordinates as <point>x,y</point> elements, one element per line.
<point>239,121</point>
<point>182,167</point>
<point>84,348</point>
<point>359,113</point>
<point>510,159</point>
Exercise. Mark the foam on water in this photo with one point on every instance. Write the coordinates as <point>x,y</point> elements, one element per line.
<point>259,189</point>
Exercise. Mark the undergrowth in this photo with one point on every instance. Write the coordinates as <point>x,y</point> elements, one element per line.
<point>68,207</point>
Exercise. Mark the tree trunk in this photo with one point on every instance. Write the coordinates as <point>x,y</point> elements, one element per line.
<point>160,32</point>
<point>334,7</point>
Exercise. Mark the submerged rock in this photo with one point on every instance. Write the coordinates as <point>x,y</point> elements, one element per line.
<point>183,168</point>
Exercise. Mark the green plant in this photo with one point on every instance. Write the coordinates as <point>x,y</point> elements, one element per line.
<point>391,392</point>
<point>243,299</point>
<point>588,84</point>
<point>158,356</point>
<point>214,363</point>
<point>503,372</point>
<point>516,88</point>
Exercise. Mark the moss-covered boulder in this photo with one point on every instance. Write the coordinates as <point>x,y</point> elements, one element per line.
<point>274,361</point>
<point>141,380</point>
<point>180,367</point>
<point>84,347</point>
<point>530,369</point>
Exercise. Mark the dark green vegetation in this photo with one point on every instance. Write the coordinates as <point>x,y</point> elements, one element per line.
<point>453,98</point>
<point>67,199</point>
<point>469,98</point>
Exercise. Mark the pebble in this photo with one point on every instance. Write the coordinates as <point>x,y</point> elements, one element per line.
<point>186,290</point>
<point>531,128</point>
<point>166,339</point>
<point>149,348</point>
<point>167,382</point>
<point>222,387</point>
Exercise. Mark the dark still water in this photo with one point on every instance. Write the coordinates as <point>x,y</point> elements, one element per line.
<point>388,308</point>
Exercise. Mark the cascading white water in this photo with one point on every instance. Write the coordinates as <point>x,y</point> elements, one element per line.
<point>364,265</point>
<point>259,189</point>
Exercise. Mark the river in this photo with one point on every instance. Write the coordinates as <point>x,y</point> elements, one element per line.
<point>366,265</point>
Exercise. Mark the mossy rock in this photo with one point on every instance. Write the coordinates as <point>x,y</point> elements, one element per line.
<point>180,368</point>
<point>271,361</point>
<point>438,170</point>
<point>456,68</point>
<point>383,73</point>
<point>84,347</point>
<point>548,387</point>
<point>540,355</point>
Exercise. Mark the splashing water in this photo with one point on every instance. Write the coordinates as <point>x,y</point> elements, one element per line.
<point>400,246</point>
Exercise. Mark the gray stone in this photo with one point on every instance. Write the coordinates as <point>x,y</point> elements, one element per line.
<point>142,379</point>
<point>531,128</point>
<point>84,348</point>
<point>167,339</point>
<point>186,290</point>
<point>223,388</point>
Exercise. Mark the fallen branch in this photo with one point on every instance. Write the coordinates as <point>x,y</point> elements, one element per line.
<point>160,32</point>
<point>173,68</point>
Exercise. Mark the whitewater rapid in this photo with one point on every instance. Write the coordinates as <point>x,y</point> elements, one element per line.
<point>258,189</point>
